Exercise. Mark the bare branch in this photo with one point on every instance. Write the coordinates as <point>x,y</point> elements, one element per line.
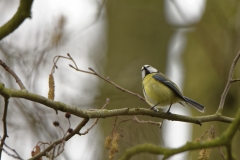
<point>103,113</point>
<point>224,140</point>
<point>108,113</point>
<point>167,152</point>
<point>149,122</point>
<point>17,156</point>
<point>221,153</point>
<point>122,120</point>
<point>209,131</point>
<point>23,12</point>
<point>4,119</point>
<point>235,80</point>
<point>105,79</point>
<point>55,143</point>
<point>225,92</point>
<point>211,135</point>
<point>19,82</point>
<point>55,60</point>
<point>96,120</point>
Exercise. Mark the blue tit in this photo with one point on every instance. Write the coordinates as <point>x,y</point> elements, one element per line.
<point>159,90</point>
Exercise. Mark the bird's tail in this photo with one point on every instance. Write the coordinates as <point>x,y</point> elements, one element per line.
<point>195,104</point>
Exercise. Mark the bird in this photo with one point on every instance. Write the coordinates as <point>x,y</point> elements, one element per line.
<point>159,90</point>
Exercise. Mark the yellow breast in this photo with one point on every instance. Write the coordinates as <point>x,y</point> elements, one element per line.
<point>156,92</point>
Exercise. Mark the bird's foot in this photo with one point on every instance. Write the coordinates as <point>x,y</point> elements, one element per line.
<point>154,109</point>
<point>168,112</point>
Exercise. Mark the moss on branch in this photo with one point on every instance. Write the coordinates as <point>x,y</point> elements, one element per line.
<point>167,152</point>
<point>23,12</point>
<point>224,140</point>
<point>56,105</point>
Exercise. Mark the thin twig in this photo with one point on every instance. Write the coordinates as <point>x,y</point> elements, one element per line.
<point>105,79</point>
<point>60,151</point>
<point>55,60</point>
<point>212,133</point>
<point>52,154</point>
<point>96,120</point>
<point>221,153</point>
<point>134,118</point>
<point>60,146</point>
<point>4,119</point>
<point>235,80</point>
<point>11,155</point>
<point>211,130</point>
<point>17,156</point>
<point>70,135</point>
<point>223,97</point>
<point>122,120</point>
<point>144,122</point>
<point>9,70</point>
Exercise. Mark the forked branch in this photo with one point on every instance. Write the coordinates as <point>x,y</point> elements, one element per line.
<point>227,87</point>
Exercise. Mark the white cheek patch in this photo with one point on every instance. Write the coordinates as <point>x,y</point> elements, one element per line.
<point>143,74</point>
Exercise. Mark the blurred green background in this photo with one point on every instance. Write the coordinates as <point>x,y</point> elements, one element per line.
<point>137,32</point>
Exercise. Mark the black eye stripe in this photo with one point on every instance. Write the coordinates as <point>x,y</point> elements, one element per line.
<point>145,68</point>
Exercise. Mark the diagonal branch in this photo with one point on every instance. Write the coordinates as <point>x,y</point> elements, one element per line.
<point>101,77</point>
<point>96,120</point>
<point>70,135</point>
<point>23,12</point>
<point>225,92</point>
<point>9,70</point>
<point>15,155</point>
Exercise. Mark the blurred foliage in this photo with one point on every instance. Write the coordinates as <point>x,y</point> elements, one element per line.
<point>211,48</point>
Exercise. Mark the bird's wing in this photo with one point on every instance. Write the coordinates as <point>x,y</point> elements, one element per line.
<point>163,79</point>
